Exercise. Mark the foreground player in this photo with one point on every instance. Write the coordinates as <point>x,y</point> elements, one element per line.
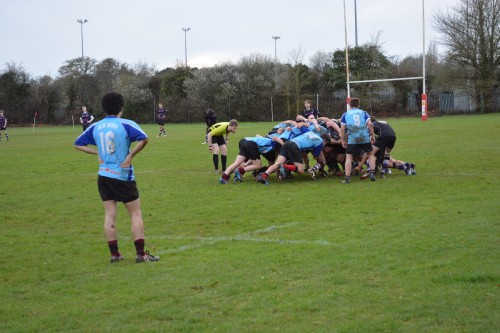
<point>217,143</point>
<point>116,179</point>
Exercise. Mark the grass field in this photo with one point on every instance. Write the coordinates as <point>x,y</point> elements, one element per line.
<point>403,254</point>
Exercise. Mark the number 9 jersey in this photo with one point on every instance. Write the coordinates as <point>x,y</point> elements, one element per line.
<point>355,120</point>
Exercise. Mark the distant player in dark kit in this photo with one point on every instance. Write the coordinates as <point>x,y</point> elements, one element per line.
<point>86,118</point>
<point>383,146</point>
<point>162,117</point>
<point>116,180</point>
<point>309,111</point>
<point>210,120</point>
<point>3,126</point>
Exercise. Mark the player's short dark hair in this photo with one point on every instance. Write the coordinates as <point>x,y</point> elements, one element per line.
<point>326,137</point>
<point>112,103</point>
<point>354,102</point>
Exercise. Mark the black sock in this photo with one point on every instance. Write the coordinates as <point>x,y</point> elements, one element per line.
<point>139,247</point>
<point>216,161</point>
<point>223,159</point>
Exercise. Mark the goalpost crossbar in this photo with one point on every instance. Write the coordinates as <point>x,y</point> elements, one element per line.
<point>384,80</point>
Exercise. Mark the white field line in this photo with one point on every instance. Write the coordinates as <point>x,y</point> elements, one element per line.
<point>246,237</point>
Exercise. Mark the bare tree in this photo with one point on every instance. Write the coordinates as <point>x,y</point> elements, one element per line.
<point>471,31</point>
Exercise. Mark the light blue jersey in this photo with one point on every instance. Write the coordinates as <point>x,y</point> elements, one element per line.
<point>265,144</point>
<point>322,129</point>
<point>309,141</point>
<point>113,137</point>
<point>294,132</point>
<point>355,121</point>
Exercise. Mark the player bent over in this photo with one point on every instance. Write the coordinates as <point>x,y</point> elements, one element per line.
<point>292,151</point>
<point>116,180</point>
<point>250,150</point>
<point>217,143</point>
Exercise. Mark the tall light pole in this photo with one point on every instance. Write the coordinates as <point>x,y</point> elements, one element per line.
<point>81,32</point>
<point>356,23</point>
<point>275,75</point>
<point>185,44</point>
<point>275,60</point>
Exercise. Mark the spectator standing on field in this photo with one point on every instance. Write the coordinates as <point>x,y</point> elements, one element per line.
<point>217,139</point>
<point>360,137</point>
<point>3,126</point>
<point>210,120</point>
<point>86,118</point>
<point>309,110</point>
<point>116,180</point>
<point>162,117</point>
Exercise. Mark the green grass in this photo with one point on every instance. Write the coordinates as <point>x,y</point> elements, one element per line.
<point>403,254</point>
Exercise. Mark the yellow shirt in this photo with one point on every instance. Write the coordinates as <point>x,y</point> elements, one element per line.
<point>219,129</point>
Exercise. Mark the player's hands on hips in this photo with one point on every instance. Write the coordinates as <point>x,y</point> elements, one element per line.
<point>127,162</point>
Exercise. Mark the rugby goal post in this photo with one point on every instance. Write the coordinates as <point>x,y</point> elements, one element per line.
<point>349,82</point>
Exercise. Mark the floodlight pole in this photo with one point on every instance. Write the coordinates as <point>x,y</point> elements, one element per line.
<point>356,22</point>
<point>81,32</point>
<point>347,61</point>
<point>185,44</point>
<point>275,73</point>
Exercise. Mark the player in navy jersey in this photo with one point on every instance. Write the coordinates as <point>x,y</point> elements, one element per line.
<point>359,139</point>
<point>310,111</point>
<point>210,120</point>
<point>116,180</point>
<point>3,126</point>
<point>250,150</point>
<point>86,118</point>
<point>333,150</point>
<point>162,117</point>
<point>383,146</point>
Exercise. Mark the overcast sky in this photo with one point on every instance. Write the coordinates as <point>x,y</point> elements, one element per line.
<point>40,35</point>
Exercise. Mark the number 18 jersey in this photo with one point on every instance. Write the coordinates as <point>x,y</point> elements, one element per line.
<point>113,137</point>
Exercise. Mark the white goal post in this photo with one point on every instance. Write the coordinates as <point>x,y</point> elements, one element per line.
<point>348,82</point>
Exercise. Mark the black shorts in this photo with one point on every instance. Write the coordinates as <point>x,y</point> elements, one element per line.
<point>358,148</point>
<point>292,152</point>
<point>219,140</point>
<point>385,142</point>
<point>249,149</point>
<point>117,190</point>
<point>161,122</point>
<point>3,128</point>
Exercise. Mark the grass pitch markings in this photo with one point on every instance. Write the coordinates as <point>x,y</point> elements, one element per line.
<point>245,237</point>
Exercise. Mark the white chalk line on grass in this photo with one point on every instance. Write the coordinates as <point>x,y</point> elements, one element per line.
<point>246,237</point>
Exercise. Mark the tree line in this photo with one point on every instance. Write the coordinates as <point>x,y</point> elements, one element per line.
<point>256,88</point>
